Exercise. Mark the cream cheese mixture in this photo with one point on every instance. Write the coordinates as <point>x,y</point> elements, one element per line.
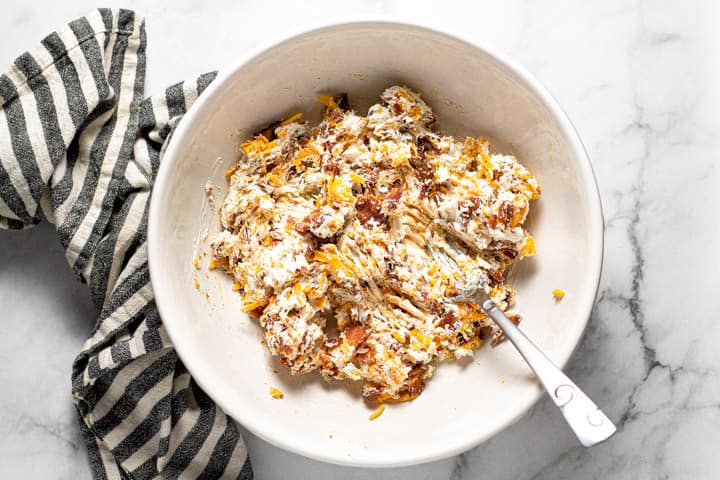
<point>325,232</point>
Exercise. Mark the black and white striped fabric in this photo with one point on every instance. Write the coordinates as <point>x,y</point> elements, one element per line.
<point>80,147</point>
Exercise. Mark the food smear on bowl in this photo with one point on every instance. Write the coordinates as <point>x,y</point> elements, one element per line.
<point>325,232</point>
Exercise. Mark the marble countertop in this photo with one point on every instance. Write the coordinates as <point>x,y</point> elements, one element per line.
<point>640,82</point>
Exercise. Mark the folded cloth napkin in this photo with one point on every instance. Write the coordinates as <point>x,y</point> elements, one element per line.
<point>79,146</point>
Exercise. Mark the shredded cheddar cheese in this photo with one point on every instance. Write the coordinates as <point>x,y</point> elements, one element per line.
<point>529,248</point>
<point>378,411</point>
<point>292,119</point>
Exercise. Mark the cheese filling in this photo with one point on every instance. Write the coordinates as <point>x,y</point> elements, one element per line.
<point>325,232</point>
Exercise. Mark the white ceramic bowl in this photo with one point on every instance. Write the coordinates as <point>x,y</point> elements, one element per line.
<point>475,91</point>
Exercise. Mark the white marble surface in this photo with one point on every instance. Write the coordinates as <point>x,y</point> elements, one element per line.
<point>639,79</point>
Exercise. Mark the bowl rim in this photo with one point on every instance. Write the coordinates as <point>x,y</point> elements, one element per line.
<point>593,265</point>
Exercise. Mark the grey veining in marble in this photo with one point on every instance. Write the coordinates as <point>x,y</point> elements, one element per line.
<point>640,82</point>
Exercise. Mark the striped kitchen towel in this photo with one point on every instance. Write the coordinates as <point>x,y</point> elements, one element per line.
<point>80,147</point>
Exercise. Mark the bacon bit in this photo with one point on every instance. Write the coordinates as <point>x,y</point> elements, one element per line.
<point>447,320</point>
<point>369,208</point>
<point>528,249</point>
<point>322,224</point>
<point>415,383</point>
<point>505,213</point>
<point>373,393</point>
<point>303,226</point>
<point>393,199</point>
<point>379,411</point>
<point>356,334</point>
<point>473,204</point>
<point>331,166</point>
<point>558,294</point>
<point>496,277</point>
<point>276,393</point>
<point>491,220</point>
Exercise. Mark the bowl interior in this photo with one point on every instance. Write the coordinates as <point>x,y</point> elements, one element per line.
<point>473,93</point>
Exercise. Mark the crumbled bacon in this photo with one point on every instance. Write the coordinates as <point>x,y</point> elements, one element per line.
<point>356,334</point>
<point>331,167</point>
<point>369,209</point>
<point>447,320</point>
<point>496,277</point>
<point>396,108</point>
<point>416,381</point>
<point>505,213</point>
<point>393,199</point>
